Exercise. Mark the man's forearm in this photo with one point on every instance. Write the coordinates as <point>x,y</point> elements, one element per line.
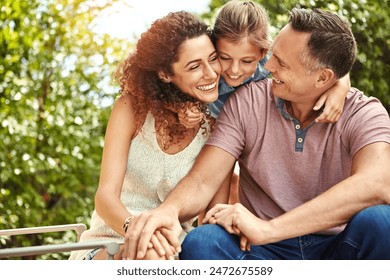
<point>195,191</point>
<point>369,185</point>
<point>189,198</point>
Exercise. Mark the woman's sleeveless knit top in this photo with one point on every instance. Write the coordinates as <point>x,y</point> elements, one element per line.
<point>150,175</point>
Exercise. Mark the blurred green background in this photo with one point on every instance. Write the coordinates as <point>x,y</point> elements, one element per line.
<point>56,93</point>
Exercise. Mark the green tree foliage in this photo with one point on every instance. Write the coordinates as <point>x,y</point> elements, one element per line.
<point>54,75</point>
<point>370,22</point>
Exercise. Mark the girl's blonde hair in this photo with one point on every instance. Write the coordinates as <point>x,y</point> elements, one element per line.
<point>240,19</point>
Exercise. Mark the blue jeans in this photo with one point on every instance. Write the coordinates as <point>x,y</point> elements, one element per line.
<point>367,236</point>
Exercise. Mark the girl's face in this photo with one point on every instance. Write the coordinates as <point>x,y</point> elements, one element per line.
<point>197,71</point>
<point>238,60</point>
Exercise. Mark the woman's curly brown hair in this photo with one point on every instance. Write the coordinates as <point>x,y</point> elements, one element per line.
<point>158,49</point>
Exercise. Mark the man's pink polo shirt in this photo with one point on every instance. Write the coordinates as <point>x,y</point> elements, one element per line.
<point>283,166</point>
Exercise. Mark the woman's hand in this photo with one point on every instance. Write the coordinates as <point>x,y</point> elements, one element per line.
<point>161,245</point>
<point>238,220</point>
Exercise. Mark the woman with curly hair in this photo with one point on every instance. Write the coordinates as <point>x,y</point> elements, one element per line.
<point>146,150</point>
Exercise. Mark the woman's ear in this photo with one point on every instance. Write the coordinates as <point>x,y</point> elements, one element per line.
<point>163,76</point>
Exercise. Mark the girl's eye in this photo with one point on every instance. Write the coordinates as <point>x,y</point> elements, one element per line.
<point>247,61</point>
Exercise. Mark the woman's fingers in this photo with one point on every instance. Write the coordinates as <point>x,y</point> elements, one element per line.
<point>169,251</point>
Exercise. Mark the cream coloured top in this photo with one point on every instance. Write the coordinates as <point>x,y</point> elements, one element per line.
<point>150,175</point>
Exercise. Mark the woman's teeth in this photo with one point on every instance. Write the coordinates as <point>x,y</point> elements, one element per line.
<point>207,87</point>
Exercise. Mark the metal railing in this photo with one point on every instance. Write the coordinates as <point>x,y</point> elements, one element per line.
<point>112,248</point>
<point>78,228</point>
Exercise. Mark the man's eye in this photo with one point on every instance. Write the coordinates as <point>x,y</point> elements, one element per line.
<point>281,63</point>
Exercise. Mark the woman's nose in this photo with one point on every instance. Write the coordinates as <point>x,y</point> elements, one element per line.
<point>210,72</point>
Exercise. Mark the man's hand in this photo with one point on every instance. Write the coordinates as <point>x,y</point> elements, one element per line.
<point>157,228</point>
<point>236,219</point>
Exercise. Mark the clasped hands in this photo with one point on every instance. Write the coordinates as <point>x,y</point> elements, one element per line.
<point>235,219</point>
<point>158,230</point>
